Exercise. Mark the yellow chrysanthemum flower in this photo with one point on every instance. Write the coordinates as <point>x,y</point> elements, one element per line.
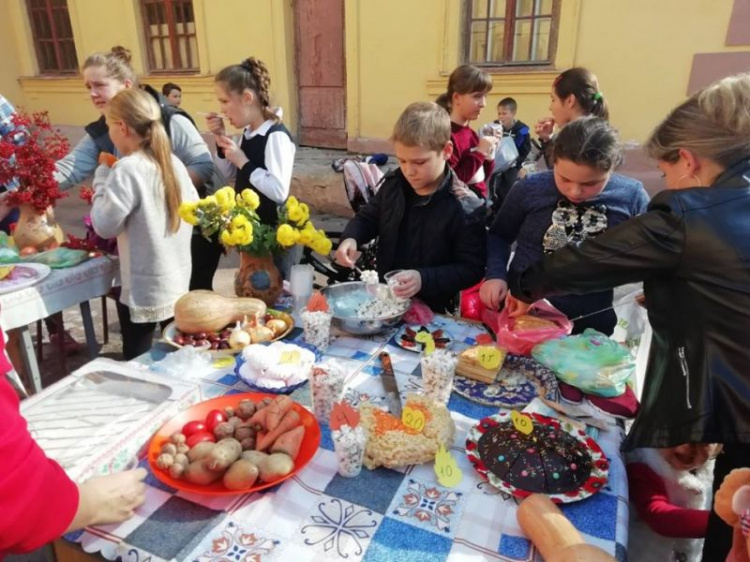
<point>305,213</point>
<point>292,202</point>
<point>296,214</point>
<point>250,199</point>
<point>226,238</point>
<point>225,198</point>
<point>307,234</point>
<point>322,245</point>
<point>287,236</point>
<point>239,221</point>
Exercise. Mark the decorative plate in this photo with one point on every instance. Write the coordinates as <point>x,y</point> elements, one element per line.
<point>287,389</point>
<point>405,337</point>
<point>23,276</point>
<point>198,412</point>
<point>554,459</point>
<point>171,331</point>
<point>521,380</point>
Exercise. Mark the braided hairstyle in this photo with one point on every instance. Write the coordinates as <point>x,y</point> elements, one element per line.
<point>116,62</point>
<point>250,74</point>
<point>582,83</point>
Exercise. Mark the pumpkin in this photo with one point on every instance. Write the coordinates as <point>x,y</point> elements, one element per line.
<point>206,311</point>
<point>554,536</point>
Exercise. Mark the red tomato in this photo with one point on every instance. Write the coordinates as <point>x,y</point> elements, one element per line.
<point>200,437</point>
<point>193,427</point>
<point>214,418</point>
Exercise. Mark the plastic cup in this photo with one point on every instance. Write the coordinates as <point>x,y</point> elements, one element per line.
<point>392,281</point>
<point>316,328</point>
<point>301,284</point>
<point>349,446</point>
<point>438,370</point>
<point>327,388</point>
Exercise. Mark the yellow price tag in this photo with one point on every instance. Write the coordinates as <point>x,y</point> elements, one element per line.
<point>413,419</point>
<point>427,340</point>
<point>489,357</point>
<point>446,469</point>
<point>522,422</point>
<point>223,362</point>
<point>289,357</point>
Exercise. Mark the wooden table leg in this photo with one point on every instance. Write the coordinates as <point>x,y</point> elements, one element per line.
<point>88,327</point>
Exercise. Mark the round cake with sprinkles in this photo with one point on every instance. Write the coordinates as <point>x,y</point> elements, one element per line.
<point>547,461</point>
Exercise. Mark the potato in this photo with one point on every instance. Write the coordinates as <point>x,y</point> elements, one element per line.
<point>169,449</point>
<point>223,430</point>
<point>182,448</point>
<point>164,461</point>
<point>177,471</point>
<point>254,457</point>
<point>275,466</point>
<point>229,412</point>
<point>177,438</point>
<point>223,454</point>
<point>197,473</point>
<point>246,409</point>
<point>200,451</point>
<point>241,475</point>
<point>236,421</point>
<point>248,443</point>
<point>243,431</point>
<point>182,459</point>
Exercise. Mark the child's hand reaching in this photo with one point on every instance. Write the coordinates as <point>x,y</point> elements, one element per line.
<point>408,283</point>
<point>544,128</point>
<point>515,307</point>
<point>232,151</point>
<point>492,293</point>
<point>347,254</point>
<point>215,124</point>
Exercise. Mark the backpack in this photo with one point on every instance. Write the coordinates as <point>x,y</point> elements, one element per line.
<point>362,181</point>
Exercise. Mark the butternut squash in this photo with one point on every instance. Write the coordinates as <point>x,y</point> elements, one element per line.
<point>553,535</point>
<point>206,311</point>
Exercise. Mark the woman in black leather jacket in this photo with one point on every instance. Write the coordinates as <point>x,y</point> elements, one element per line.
<point>692,252</point>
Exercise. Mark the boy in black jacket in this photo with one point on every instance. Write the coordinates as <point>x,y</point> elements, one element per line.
<point>501,183</point>
<point>429,224</point>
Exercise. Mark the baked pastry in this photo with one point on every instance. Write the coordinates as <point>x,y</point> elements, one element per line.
<point>529,322</point>
<point>390,443</point>
<point>471,367</point>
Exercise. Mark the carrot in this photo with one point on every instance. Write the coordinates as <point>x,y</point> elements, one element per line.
<point>107,159</point>
<point>259,436</point>
<point>289,442</point>
<point>277,410</point>
<point>259,420</point>
<point>290,420</point>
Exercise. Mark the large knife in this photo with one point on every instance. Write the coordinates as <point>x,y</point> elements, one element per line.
<point>392,397</point>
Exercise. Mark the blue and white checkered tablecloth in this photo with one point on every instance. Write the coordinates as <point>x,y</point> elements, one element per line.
<point>381,515</point>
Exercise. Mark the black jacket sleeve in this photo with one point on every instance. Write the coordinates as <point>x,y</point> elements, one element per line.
<point>648,245</point>
<point>365,225</point>
<point>468,269</point>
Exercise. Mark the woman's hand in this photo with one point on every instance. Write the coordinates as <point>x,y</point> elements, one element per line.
<point>109,499</point>
<point>487,146</point>
<point>544,128</point>
<point>347,254</point>
<point>492,293</point>
<point>407,284</point>
<point>215,124</point>
<point>232,151</point>
<point>515,307</point>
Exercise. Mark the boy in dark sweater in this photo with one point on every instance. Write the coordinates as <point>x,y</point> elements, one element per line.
<point>501,182</point>
<point>428,223</point>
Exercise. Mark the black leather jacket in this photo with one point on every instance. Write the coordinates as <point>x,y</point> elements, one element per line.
<point>692,251</point>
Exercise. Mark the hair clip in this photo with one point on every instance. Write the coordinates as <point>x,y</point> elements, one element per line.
<point>598,96</point>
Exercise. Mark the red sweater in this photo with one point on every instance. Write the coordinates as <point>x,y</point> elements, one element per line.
<point>37,499</point>
<point>465,161</point>
<point>649,496</point>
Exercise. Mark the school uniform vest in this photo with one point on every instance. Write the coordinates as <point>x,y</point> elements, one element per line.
<point>255,150</point>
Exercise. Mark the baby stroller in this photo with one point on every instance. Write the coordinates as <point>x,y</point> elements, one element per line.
<point>361,181</point>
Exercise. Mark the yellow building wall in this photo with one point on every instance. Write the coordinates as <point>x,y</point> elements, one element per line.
<point>641,50</point>
<point>227,32</point>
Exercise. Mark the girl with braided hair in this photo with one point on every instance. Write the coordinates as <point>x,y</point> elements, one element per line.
<point>263,158</point>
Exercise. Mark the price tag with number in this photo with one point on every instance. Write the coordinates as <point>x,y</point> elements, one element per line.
<point>446,469</point>
<point>413,419</point>
<point>522,422</point>
<point>289,357</point>
<point>222,362</point>
<point>489,357</point>
<point>427,340</point>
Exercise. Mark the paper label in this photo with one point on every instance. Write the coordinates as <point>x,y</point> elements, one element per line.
<point>427,340</point>
<point>223,362</point>
<point>446,469</point>
<point>522,422</point>
<point>489,357</point>
<point>289,357</point>
<point>413,419</point>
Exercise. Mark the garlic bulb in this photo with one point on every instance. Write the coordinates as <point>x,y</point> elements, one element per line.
<point>239,338</point>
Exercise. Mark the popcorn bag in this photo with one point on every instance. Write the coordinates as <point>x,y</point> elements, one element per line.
<point>520,341</point>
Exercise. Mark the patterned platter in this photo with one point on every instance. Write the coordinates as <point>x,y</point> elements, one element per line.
<point>23,276</point>
<point>554,459</point>
<point>521,380</point>
<point>406,334</point>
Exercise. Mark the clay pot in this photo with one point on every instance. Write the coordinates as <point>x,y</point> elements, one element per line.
<point>258,277</point>
<point>37,229</point>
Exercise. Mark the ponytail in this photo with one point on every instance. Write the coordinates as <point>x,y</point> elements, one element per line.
<point>250,74</point>
<point>583,85</point>
<point>465,79</point>
<point>139,111</point>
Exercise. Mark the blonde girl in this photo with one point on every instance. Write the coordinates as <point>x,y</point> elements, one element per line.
<point>137,201</point>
